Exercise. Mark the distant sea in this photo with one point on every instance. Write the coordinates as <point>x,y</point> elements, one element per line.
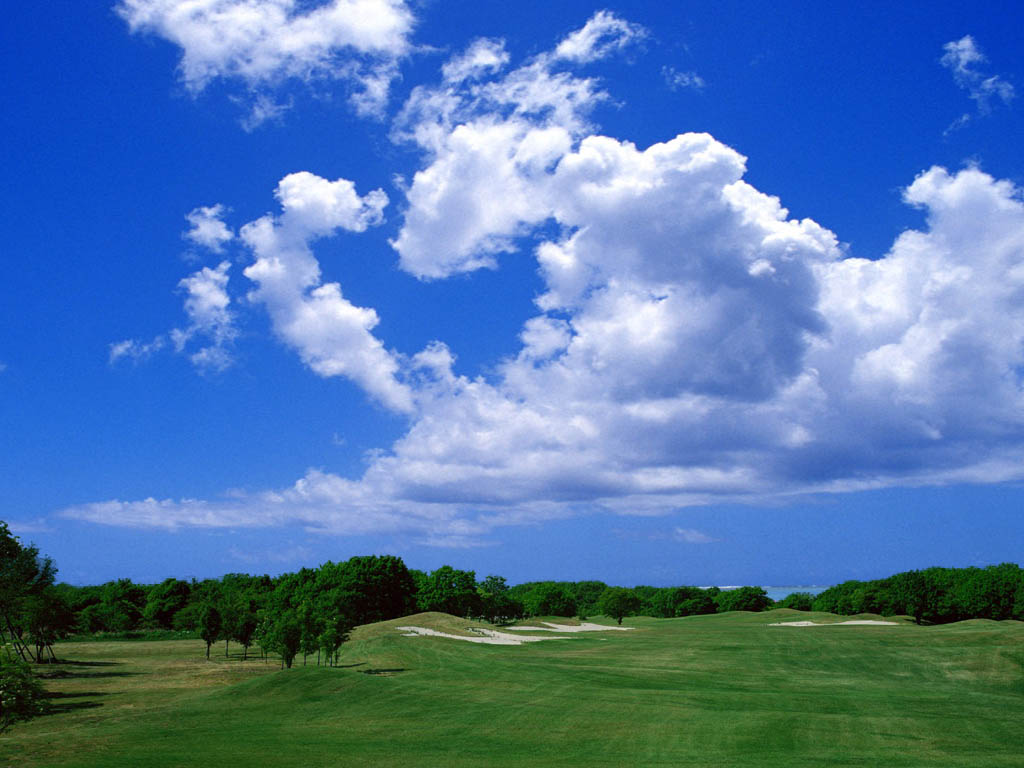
<point>777,593</point>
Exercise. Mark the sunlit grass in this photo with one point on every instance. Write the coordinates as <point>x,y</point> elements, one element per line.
<point>724,690</point>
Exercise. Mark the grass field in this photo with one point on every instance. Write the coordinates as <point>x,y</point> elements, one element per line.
<point>724,690</point>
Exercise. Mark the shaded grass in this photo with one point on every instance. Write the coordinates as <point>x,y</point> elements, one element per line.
<point>720,690</point>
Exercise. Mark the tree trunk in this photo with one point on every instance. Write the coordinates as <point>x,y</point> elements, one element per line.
<point>22,649</point>
<point>226,641</point>
<point>208,651</point>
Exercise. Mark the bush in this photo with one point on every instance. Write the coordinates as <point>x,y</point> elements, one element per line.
<point>21,694</point>
<point>799,601</point>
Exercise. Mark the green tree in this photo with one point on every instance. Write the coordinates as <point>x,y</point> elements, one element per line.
<point>24,576</point>
<point>619,602</point>
<point>48,618</point>
<point>164,601</point>
<point>496,602</point>
<point>210,625</point>
<point>449,591</point>
<point>382,587</point>
<point>549,599</point>
<point>799,601</point>
<point>743,599</point>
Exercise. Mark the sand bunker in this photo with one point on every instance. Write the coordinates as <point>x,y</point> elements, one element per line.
<point>583,627</point>
<point>487,636</point>
<point>872,622</point>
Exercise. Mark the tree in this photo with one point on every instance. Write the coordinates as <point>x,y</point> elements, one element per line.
<point>286,636</point>
<point>799,601</point>
<point>549,599</point>
<point>586,594</point>
<point>449,591</point>
<point>48,618</point>
<point>619,602</point>
<point>210,625</point>
<point>698,605</point>
<point>381,586</point>
<point>496,602</point>
<point>743,599</point>
<point>164,601</point>
<point>24,576</point>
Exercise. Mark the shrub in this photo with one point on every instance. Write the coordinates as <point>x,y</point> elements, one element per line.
<point>21,694</point>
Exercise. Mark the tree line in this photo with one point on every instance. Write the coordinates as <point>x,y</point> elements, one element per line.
<point>931,596</point>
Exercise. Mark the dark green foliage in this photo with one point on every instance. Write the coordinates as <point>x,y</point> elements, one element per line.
<point>449,591</point>
<point>210,625</point>
<point>742,599</point>
<point>119,608</point>
<point>21,693</point>
<point>586,594</point>
<point>619,602</point>
<point>26,596</point>
<point>934,595</point>
<point>496,602</point>
<point>680,601</point>
<point>163,601</point>
<point>798,601</point>
<point>549,599</point>
<point>382,588</point>
<point>47,619</point>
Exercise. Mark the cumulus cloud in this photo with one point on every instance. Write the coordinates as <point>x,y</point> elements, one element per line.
<point>692,342</point>
<point>207,307</point>
<point>963,58</point>
<point>332,336</point>
<point>489,142</point>
<point>207,227</point>
<point>264,42</point>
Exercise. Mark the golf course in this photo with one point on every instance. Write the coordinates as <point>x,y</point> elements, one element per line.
<point>732,689</point>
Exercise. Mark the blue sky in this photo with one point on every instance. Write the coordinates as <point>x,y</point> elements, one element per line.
<point>645,292</point>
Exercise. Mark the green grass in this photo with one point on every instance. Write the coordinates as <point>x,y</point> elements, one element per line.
<point>722,690</point>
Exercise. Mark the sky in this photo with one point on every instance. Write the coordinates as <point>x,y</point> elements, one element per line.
<point>651,293</point>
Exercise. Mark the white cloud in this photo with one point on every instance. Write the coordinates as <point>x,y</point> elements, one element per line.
<point>489,142</point>
<point>603,34</point>
<point>483,57</point>
<point>677,80</point>
<point>134,349</point>
<point>692,343</point>
<point>332,336</point>
<point>692,536</point>
<point>206,305</point>
<point>264,42</point>
<point>963,57</point>
<point>208,228</point>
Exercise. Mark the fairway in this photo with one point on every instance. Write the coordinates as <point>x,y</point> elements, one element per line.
<point>725,690</point>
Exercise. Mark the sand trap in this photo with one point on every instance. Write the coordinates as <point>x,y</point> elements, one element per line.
<point>582,627</point>
<point>872,622</point>
<point>487,636</point>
